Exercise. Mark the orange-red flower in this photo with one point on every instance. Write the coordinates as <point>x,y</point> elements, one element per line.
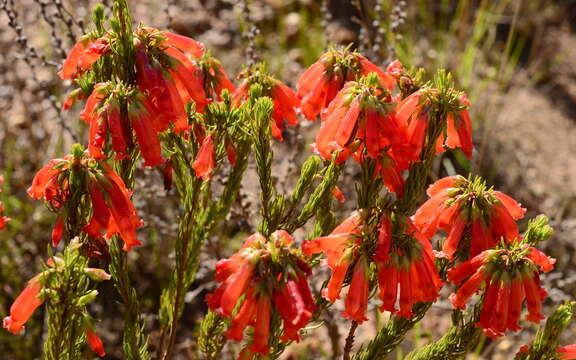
<point>339,250</point>
<point>94,342</point>
<point>112,209</point>
<point>405,266</point>
<point>24,306</point>
<point>461,206</point>
<point>205,159</point>
<point>413,114</point>
<point>285,100</point>
<point>567,352</point>
<point>320,83</point>
<point>509,276</point>
<point>269,276</point>
<point>83,55</point>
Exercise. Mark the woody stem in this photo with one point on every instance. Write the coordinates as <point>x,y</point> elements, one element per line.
<point>350,340</point>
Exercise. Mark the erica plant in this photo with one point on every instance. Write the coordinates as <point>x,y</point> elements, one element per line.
<point>152,98</point>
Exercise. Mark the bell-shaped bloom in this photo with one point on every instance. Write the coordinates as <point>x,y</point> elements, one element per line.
<point>357,298</point>
<point>23,307</point>
<point>295,304</point>
<point>205,159</point>
<point>567,352</point>
<point>413,115</point>
<point>253,286</point>
<point>462,206</point>
<point>82,56</point>
<point>339,249</point>
<point>94,342</point>
<point>320,83</point>
<point>57,232</point>
<point>285,100</point>
<point>406,269</point>
<point>261,326</point>
<point>506,286</point>
<point>142,120</point>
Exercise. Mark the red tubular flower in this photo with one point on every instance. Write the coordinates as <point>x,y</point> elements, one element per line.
<point>295,305</point>
<point>242,319</point>
<point>510,276</point>
<point>205,159</point>
<point>357,298</point>
<point>57,232</point>
<point>82,55</point>
<point>260,279</point>
<point>285,100</point>
<point>406,269</point>
<point>567,352</point>
<point>142,123</point>
<point>320,83</point>
<point>461,206</point>
<point>23,307</point>
<point>95,342</point>
<point>339,250</point>
<point>261,327</point>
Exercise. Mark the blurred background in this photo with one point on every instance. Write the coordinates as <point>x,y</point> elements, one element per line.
<point>515,59</point>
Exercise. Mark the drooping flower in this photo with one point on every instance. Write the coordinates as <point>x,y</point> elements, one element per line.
<point>360,121</point>
<point>94,342</point>
<point>462,206</point>
<point>285,100</point>
<point>24,306</point>
<point>83,176</point>
<point>509,275</point>
<point>414,116</point>
<point>340,250</point>
<point>205,159</point>
<point>320,83</point>
<point>83,55</point>
<point>406,268</point>
<point>266,275</point>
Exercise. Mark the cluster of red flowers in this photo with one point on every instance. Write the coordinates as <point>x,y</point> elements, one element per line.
<point>510,275</point>
<point>320,83</point>
<point>269,276</point>
<point>361,116</point>
<point>3,219</point>
<point>112,209</point>
<point>459,206</point>
<point>167,80</point>
<point>405,262</point>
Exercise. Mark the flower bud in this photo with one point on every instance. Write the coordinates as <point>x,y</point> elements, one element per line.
<point>85,299</point>
<point>97,274</point>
